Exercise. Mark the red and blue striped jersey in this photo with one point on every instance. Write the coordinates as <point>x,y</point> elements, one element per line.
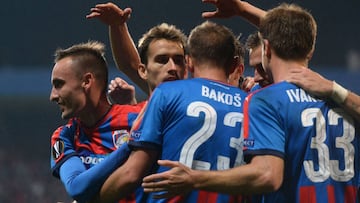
<point>196,122</point>
<point>318,141</point>
<point>93,144</point>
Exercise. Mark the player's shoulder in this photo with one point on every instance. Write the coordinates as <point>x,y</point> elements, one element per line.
<point>273,93</point>
<point>274,89</point>
<point>126,108</point>
<point>65,130</point>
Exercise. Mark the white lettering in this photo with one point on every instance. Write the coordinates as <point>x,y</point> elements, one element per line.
<point>299,95</point>
<point>221,97</point>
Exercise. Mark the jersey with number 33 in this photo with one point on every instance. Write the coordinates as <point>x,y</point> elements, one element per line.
<point>317,140</point>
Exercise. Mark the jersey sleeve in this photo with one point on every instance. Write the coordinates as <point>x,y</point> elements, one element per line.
<point>83,184</point>
<point>148,133</point>
<point>263,132</point>
<point>62,147</point>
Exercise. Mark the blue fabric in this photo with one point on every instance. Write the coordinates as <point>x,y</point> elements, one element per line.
<point>318,141</point>
<point>83,184</point>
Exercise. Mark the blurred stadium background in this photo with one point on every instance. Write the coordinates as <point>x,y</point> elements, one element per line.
<point>32,30</point>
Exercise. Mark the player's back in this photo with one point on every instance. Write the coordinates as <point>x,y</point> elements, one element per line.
<point>318,141</point>
<point>199,125</point>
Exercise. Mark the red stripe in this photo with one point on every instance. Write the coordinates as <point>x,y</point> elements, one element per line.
<point>350,194</point>
<point>240,199</point>
<point>246,117</point>
<point>307,194</point>
<point>129,199</point>
<point>137,122</point>
<point>208,197</point>
<point>176,199</point>
<point>331,194</point>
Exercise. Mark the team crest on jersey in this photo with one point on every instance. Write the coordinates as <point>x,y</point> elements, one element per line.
<point>120,137</point>
<point>57,149</point>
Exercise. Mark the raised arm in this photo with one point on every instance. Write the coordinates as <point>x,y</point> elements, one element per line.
<point>124,51</point>
<point>323,88</point>
<point>230,8</point>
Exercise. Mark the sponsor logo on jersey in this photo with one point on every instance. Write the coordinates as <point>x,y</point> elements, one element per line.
<point>57,149</point>
<point>120,137</point>
<point>91,160</point>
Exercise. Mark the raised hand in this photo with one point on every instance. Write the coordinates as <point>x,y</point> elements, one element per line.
<point>120,92</point>
<point>110,14</point>
<point>229,8</point>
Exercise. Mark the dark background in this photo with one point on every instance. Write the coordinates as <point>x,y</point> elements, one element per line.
<point>32,30</point>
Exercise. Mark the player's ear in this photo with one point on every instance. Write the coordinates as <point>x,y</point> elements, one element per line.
<point>142,71</point>
<point>310,54</point>
<point>87,80</point>
<point>190,64</point>
<point>267,48</point>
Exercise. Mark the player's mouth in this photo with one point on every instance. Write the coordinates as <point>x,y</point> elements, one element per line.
<point>171,78</point>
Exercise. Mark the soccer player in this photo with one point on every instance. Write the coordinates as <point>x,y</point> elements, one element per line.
<point>155,49</point>
<point>305,78</point>
<point>187,120</point>
<point>300,149</point>
<point>162,49</point>
<point>123,48</point>
<point>94,128</point>
<point>260,78</point>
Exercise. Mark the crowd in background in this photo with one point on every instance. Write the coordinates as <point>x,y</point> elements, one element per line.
<point>27,179</point>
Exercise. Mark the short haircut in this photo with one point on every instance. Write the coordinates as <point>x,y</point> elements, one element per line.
<point>90,57</point>
<point>162,31</point>
<point>290,30</point>
<point>253,41</point>
<point>213,43</point>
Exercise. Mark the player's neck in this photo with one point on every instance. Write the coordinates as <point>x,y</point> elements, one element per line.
<point>281,68</point>
<point>212,73</point>
<point>95,113</point>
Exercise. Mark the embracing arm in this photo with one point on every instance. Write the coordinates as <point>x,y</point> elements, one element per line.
<point>352,105</point>
<point>321,87</point>
<point>128,176</point>
<point>82,184</point>
<point>263,174</point>
<point>124,51</point>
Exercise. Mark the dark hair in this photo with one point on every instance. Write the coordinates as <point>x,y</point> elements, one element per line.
<point>253,41</point>
<point>239,49</point>
<point>290,30</point>
<point>213,43</point>
<point>162,31</point>
<point>91,58</point>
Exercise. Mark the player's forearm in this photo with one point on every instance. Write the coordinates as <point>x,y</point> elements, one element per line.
<point>117,186</point>
<point>251,13</point>
<point>82,184</point>
<point>246,179</point>
<point>125,54</point>
<point>352,105</point>
<point>346,99</point>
